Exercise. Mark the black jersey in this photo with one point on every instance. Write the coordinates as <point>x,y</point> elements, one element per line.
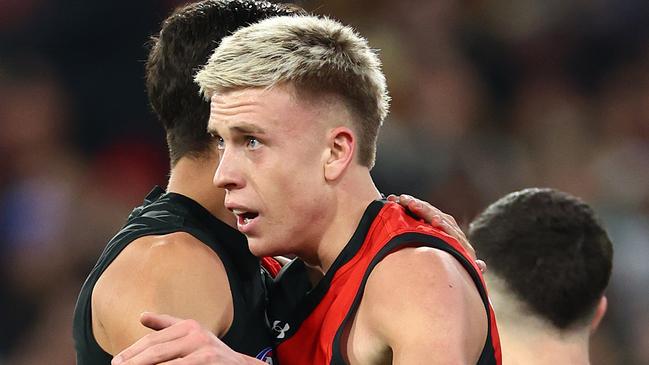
<point>164,213</point>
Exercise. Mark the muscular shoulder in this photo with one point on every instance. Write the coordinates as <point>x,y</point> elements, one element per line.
<point>420,277</point>
<point>173,274</point>
<point>159,262</point>
<point>422,298</point>
<point>424,268</point>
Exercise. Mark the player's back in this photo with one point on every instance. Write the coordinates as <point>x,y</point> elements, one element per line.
<point>168,213</point>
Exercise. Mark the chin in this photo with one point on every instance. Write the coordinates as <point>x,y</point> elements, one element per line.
<point>260,248</point>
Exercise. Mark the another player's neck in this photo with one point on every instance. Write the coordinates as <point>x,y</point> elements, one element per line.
<point>527,339</point>
<point>352,197</point>
<point>192,177</point>
<point>530,347</point>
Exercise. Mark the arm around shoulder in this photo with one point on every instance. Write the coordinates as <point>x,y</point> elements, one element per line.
<point>426,308</point>
<point>175,274</point>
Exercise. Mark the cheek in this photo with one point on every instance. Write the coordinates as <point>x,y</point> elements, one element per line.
<point>294,193</point>
<point>288,181</point>
<point>306,181</point>
<point>302,170</point>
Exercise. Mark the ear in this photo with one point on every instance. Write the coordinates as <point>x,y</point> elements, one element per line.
<point>599,314</point>
<point>342,144</point>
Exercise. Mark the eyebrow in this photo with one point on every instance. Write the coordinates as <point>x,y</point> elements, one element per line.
<point>211,130</point>
<point>246,128</point>
<point>242,128</point>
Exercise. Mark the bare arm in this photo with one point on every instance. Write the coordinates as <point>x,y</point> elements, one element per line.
<point>175,274</point>
<point>424,308</point>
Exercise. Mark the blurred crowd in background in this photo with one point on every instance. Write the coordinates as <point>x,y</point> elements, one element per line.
<point>489,96</point>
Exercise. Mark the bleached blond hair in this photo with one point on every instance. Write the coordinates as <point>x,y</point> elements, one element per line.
<point>316,55</point>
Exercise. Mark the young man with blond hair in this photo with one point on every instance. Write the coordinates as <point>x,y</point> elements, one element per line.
<point>296,106</point>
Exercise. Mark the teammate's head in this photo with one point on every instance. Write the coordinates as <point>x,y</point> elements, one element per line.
<point>297,103</point>
<point>187,38</point>
<point>548,251</point>
<point>318,56</point>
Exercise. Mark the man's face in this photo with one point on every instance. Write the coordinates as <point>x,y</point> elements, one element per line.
<point>272,152</point>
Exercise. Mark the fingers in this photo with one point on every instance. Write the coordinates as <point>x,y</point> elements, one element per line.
<point>455,231</point>
<point>435,218</point>
<point>174,332</point>
<point>209,356</point>
<point>192,359</point>
<point>155,354</point>
<point>199,346</point>
<point>426,211</point>
<point>481,265</point>
<point>158,321</point>
<point>439,220</point>
<point>409,201</point>
<point>165,352</point>
<point>403,199</point>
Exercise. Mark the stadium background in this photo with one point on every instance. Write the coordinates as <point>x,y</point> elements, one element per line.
<point>489,96</point>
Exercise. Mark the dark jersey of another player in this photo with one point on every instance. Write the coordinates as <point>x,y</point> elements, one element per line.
<point>164,213</point>
<point>309,330</point>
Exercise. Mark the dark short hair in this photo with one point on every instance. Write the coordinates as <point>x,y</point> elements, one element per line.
<point>550,249</point>
<point>187,38</point>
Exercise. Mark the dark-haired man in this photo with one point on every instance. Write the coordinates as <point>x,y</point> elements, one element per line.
<point>178,253</point>
<point>549,263</point>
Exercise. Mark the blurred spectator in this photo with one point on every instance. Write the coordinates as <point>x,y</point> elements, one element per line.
<point>57,207</point>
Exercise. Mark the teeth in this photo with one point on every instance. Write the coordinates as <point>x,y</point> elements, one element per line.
<point>246,220</point>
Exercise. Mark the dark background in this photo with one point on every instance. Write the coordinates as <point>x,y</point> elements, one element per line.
<point>490,96</point>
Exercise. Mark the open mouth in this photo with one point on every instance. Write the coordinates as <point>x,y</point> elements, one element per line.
<point>244,218</point>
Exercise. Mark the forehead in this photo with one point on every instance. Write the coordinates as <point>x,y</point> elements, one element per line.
<point>272,107</point>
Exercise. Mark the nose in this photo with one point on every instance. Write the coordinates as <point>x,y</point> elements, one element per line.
<point>228,174</point>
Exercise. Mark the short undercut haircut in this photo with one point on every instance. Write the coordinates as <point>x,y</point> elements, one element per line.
<point>549,249</point>
<point>317,56</point>
<point>187,38</point>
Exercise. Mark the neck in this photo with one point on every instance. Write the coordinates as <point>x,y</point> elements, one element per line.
<point>528,339</point>
<point>350,199</point>
<point>192,177</point>
<point>523,346</point>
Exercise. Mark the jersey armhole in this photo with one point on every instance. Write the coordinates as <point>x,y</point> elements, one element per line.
<point>488,356</point>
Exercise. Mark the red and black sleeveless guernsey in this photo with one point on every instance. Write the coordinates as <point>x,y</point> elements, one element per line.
<point>308,329</point>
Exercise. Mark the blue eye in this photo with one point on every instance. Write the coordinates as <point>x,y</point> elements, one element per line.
<point>220,143</point>
<point>252,143</point>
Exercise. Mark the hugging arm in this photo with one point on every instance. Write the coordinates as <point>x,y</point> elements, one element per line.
<point>437,219</point>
